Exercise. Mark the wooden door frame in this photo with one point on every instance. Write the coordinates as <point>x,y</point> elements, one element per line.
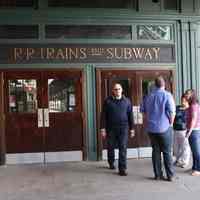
<point>83,113</point>
<point>99,103</point>
<point>41,70</point>
<point>98,96</point>
<point>98,112</point>
<point>2,122</point>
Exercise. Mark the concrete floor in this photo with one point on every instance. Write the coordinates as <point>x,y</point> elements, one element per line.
<point>93,181</point>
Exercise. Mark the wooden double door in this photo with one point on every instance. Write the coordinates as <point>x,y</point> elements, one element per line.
<point>136,84</point>
<point>43,111</point>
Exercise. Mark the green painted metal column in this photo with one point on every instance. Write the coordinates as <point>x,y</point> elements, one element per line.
<point>186,55</point>
<point>91,112</point>
<point>194,55</point>
<point>197,51</point>
<point>195,60</point>
<point>179,70</point>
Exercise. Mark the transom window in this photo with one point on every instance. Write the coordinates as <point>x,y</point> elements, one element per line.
<point>93,4</point>
<point>18,3</point>
<point>19,31</point>
<point>88,31</point>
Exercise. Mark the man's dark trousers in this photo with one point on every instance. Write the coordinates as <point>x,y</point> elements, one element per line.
<point>162,143</point>
<point>118,137</point>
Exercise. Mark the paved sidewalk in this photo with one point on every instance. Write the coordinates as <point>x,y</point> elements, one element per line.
<point>93,181</point>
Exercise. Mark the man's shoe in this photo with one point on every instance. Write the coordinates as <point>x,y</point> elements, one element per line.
<point>170,179</point>
<point>122,173</point>
<point>159,178</point>
<point>112,166</point>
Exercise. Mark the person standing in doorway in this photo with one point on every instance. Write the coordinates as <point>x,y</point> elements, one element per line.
<point>193,131</point>
<point>159,113</point>
<point>116,123</point>
<point>181,143</point>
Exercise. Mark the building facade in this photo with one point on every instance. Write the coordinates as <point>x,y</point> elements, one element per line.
<point>58,60</point>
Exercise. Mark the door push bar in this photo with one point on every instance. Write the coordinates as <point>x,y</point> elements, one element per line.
<point>43,117</point>
<point>137,115</point>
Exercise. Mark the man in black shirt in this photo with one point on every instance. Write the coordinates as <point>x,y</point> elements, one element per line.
<point>116,121</point>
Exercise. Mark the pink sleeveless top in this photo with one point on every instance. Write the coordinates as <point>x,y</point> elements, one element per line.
<point>193,109</point>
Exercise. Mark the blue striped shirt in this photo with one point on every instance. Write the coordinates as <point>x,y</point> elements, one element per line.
<point>158,107</point>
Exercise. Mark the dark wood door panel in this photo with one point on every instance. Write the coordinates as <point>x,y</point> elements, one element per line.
<point>143,138</point>
<point>22,136</point>
<point>22,132</point>
<point>127,79</point>
<point>2,121</point>
<point>65,132</point>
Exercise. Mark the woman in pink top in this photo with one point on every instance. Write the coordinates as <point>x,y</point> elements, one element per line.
<point>193,131</point>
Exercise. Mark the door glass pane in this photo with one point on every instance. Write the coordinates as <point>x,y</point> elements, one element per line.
<point>61,94</point>
<point>22,95</point>
<point>147,86</point>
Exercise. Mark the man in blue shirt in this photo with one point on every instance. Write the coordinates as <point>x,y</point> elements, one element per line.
<point>116,120</point>
<point>159,112</point>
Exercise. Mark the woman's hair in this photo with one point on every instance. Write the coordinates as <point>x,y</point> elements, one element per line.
<point>189,91</point>
<point>183,96</point>
<point>193,98</point>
